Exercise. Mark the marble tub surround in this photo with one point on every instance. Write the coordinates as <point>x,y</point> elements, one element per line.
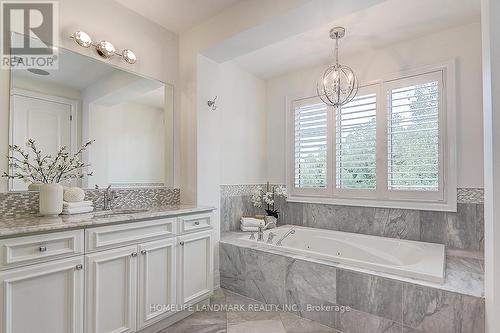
<point>379,302</point>
<point>463,229</point>
<point>26,202</point>
<point>12,226</point>
<point>464,269</point>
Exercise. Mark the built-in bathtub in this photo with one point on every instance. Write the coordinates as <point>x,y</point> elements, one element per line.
<point>407,258</point>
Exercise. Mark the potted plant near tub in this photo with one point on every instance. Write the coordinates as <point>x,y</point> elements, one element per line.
<point>268,198</point>
<point>46,173</point>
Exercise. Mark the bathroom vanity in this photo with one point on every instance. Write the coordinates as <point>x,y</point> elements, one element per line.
<point>104,272</point>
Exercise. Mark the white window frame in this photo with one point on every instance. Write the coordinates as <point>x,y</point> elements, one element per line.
<point>443,200</point>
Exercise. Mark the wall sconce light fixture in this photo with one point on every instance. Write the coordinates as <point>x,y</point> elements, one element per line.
<point>211,104</point>
<point>103,48</point>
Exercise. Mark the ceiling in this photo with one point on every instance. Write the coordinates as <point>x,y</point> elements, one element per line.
<point>387,23</point>
<point>177,15</point>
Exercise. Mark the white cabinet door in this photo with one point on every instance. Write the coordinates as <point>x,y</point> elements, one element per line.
<point>111,286</point>
<point>43,298</point>
<point>156,281</point>
<point>195,267</point>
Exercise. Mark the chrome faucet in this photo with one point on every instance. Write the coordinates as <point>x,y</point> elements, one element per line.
<point>260,233</point>
<point>288,233</point>
<point>270,237</point>
<point>108,197</point>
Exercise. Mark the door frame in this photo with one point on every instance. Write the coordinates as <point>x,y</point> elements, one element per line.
<point>73,105</point>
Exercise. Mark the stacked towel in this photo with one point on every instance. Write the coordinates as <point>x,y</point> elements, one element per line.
<point>77,207</point>
<point>250,224</point>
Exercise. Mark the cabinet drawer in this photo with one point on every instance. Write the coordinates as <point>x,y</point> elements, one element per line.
<point>128,233</point>
<point>30,249</point>
<point>195,222</point>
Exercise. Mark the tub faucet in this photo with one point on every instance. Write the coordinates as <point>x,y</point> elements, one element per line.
<point>260,234</point>
<point>288,233</point>
<point>270,237</point>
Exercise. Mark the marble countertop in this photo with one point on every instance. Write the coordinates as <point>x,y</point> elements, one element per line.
<point>464,270</point>
<point>32,224</point>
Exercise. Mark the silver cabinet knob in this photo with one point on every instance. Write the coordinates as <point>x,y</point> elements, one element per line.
<point>79,267</point>
<point>42,248</point>
<point>143,252</point>
<point>196,222</point>
<point>134,254</point>
<point>181,243</point>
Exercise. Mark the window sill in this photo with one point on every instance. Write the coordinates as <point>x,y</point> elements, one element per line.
<point>396,204</point>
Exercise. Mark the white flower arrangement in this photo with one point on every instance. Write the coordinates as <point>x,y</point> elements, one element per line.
<point>46,169</point>
<point>268,198</point>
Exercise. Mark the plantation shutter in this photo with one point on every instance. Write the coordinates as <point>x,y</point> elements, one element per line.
<point>413,134</point>
<point>310,144</point>
<point>356,143</point>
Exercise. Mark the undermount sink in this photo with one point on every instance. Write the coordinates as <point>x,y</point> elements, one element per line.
<point>112,212</point>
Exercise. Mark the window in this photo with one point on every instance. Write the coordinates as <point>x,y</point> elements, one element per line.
<point>391,146</point>
<point>310,144</point>
<point>355,143</point>
<point>413,142</point>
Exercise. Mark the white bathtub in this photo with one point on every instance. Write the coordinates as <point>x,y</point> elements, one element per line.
<point>407,258</point>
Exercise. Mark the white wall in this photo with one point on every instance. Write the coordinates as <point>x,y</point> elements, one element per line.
<point>46,88</point>
<point>129,145</point>
<point>156,49</point>
<point>243,126</point>
<point>490,12</point>
<point>463,42</point>
<point>227,25</point>
<point>232,139</point>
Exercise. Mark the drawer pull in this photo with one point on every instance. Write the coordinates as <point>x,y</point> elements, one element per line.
<point>42,248</point>
<point>143,252</point>
<point>79,267</point>
<point>196,222</point>
<point>181,243</point>
<point>134,254</point>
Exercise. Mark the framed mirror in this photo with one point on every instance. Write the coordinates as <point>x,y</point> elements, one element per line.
<point>129,117</point>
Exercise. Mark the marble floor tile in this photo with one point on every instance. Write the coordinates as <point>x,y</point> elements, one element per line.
<point>245,321</point>
<point>267,326</point>
<point>200,322</point>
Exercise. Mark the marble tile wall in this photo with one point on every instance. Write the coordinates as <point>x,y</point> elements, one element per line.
<point>26,202</point>
<point>461,230</point>
<point>377,304</point>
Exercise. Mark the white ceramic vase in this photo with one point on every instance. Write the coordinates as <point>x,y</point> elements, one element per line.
<point>51,199</point>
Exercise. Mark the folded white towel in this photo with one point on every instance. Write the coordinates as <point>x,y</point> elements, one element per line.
<point>253,229</point>
<point>86,203</point>
<point>251,222</point>
<point>77,210</point>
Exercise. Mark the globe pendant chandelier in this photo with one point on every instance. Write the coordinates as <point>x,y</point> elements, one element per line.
<point>338,85</point>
